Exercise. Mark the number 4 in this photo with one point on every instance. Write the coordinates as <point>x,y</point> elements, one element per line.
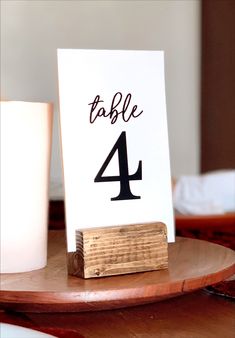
<point>123,177</point>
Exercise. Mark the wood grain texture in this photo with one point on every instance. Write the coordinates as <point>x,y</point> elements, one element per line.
<point>119,250</point>
<point>193,264</point>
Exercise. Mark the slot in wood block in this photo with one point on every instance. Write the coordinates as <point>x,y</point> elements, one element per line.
<point>119,250</point>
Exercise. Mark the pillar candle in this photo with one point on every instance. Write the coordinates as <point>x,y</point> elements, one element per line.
<point>26,134</point>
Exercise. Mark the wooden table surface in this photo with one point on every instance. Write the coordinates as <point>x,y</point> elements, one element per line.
<point>195,315</point>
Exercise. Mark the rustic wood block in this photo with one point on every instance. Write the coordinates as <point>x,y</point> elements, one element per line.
<point>119,250</point>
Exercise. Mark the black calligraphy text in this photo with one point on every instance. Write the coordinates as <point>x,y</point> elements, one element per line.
<point>118,108</point>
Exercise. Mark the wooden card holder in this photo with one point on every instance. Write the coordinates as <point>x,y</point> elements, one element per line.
<point>119,250</point>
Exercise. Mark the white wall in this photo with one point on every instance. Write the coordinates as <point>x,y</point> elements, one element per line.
<point>31,31</point>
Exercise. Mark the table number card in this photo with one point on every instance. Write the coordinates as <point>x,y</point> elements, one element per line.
<point>114,139</point>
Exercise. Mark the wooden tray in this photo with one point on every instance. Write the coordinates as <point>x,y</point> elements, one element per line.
<point>193,264</point>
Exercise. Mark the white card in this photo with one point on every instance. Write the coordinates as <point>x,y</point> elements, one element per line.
<point>114,139</point>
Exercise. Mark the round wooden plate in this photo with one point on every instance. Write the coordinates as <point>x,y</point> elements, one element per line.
<point>193,264</point>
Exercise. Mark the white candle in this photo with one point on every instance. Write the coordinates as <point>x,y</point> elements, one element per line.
<point>26,130</point>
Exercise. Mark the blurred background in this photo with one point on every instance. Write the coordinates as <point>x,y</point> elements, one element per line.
<point>31,32</point>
